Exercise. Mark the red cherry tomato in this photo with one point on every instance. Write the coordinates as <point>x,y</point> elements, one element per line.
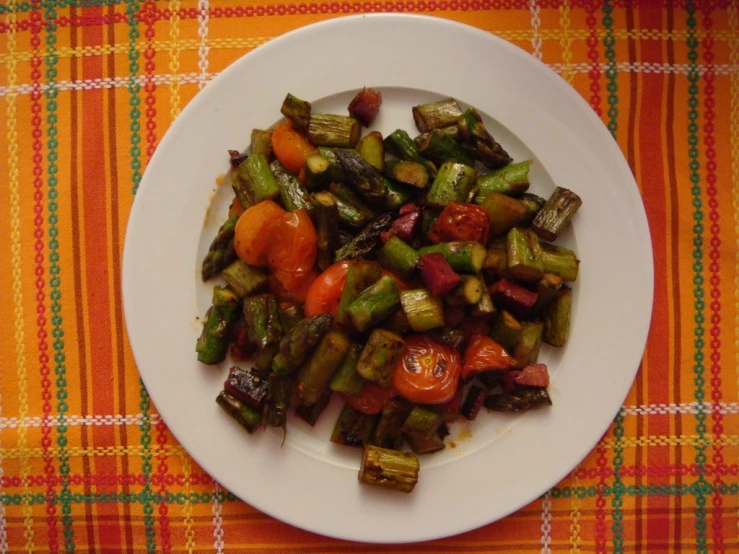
<point>427,372</point>
<point>371,399</point>
<point>484,354</point>
<point>325,292</point>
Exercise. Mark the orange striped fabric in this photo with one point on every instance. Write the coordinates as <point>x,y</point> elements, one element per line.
<point>88,88</point>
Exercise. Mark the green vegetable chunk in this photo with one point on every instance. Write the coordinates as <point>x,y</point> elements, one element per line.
<point>379,356</point>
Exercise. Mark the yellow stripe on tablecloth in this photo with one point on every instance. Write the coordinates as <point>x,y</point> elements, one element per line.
<point>566,40</point>
<point>15,261</point>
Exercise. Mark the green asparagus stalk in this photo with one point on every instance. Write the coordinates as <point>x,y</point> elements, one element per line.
<point>297,111</point>
<point>504,212</point>
<point>221,251</point>
<point>506,330</point>
<point>261,142</point>
<point>451,130</point>
<point>398,257</point>
<point>379,356</point>
<point>315,375</point>
<point>463,256</point>
<point>374,304</point>
<point>527,349</point>
<point>290,314</point>
<point>317,171</point>
<point>346,379</point>
<point>496,262</point>
<point>428,218</point>
<point>263,358</point>
<point>453,182</point>
<point>297,344</point>
<point>440,147</point>
<point>408,173</point>
<point>480,141</point>
<point>425,444</point>
<point>389,431</point>
<point>248,418</point>
<point>557,318</point>
<point>372,150</point>
<point>524,255</point>
<point>469,291</point>
<point>241,188</point>
<point>533,204</point>
<point>436,115</point>
<point>352,211</point>
<point>360,275</point>
<point>327,227</point>
<point>340,131</point>
<point>366,179</point>
<point>397,322</point>
<point>244,279</point>
<point>366,240</point>
<point>257,177</point>
<point>310,414</point>
<point>293,195</point>
<point>518,400</point>
<point>484,307</point>
<point>397,194</point>
<point>336,172</point>
<point>511,180</point>
<point>402,146</point>
<point>217,323</point>
<point>546,289</point>
<point>560,261</point>
<point>262,320</point>
<point>280,393</point>
<point>422,421</point>
<point>424,311</point>
<point>556,214</point>
<point>389,469</point>
<point>353,428</point>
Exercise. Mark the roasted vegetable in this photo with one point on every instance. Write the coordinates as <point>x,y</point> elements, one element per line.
<point>408,173</point>
<point>506,330</point>
<point>533,204</point>
<point>297,344</point>
<point>546,289</point>
<point>560,261</point>
<point>423,310</point>
<point>244,279</point>
<point>556,214</point>
<point>333,130</point>
<point>264,357</point>
<point>557,318</point>
<point>261,142</point>
<point>366,241</point>
<point>398,257</point>
<point>389,469</point>
<point>212,345</point>
<point>346,379</point>
<point>317,171</point>
<point>278,403</point>
<point>526,351</point>
<point>504,212</point>
<point>310,414</point>
<point>292,194</point>
<point>421,429</point>
<point>469,291</point>
<point>365,178</point>
<point>453,182</point>
<point>397,322</point>
<point>453,338</point>
<point>248,387</point>
<point>439,147</point>
<point>248,418</point>
<point>257,181</point>
<point>495,265</point>
<point>512,180</point>
<point>463,256</point>
<point>353,428</point>
<point>327,227</point>
<point>315,375</point>
<point>451,130</point>
<point>374,304</point>
<point>379,356</point>
<point>397,194</point>
<point>366,105</point>
<point>360,275</point>
<point>262,320</point>
<point>297,111</point>
<point>524,255</point>
<point>437,274</point>
<point>352,211</point>
<point>460,221</point>
<point>484,354</point>
<point>221,251</point>
<point>518,400</point>
<point>436,115</point>
<point>389,430</point>
<point>473,133</point>
<point>403,227</point>
<point>372,150</point>
<point>516,298</point>
<point>484,306</point>
<point>401,145</point>
<point>473,402</point>
<point>534,375</point>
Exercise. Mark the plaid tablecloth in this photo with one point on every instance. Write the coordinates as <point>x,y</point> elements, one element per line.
<point>88,88</point>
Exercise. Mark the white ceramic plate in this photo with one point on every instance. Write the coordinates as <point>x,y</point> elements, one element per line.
<point>500,463</point>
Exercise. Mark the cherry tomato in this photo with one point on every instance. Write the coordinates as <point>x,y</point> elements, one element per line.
<point>290,148</point>
<point>291,286</point>
<point>292,243</point>
<point>427,372</point>
<point>484,354</point>
<point>371,399</point>
<point>460,221</point>
<point>325,292</point>
<point>251,239</point>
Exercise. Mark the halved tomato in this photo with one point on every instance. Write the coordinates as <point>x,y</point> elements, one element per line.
<point>371,399</point>
<point>325,292</point>
<point>251,237</point>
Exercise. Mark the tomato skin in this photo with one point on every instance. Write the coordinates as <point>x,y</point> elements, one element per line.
<point>290,148</point>
<point>250,236</point>
<point>371,399</point>
<point>290,286</point>
<point>484,354</point>
<point>325,292</point>
<point>292,243</point>
<point>460,221</point>
<point>427,372</point>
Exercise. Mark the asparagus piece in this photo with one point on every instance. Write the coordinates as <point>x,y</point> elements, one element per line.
<point>366,241</point>
<point>372,150</point>
<point>451,130</point>
<point>217,323</point>
<point>512,180</point>
<point>290,314</point>
<point>247,417</point>
<point>397,194</point>
<point>504,212</point>
<point>422,421</point>
<point>556,214</point>
<point>340,131</point>
<point>560,261</point>
<point>293,195</point>
<point>527,349</point>
<point>262,320</point>
<point>436,115</point>
<point>496,262</point>
<point>379,356</point>
<point>398,257</point>
<point>408,173</point>
<point>310,414</point>
<point>317,171</point>
<point>518,400</point>
<point>453,182</point>
<point>327,227</point>
<point>346,379</point>
<point>397,323</point>
<point>352,211</point>
<point>486,149</point>
<point>469,291</point>
<point>297,111</point>
<point>241,187</point>
<point>425,444</point>
<point>533,204</point>
<point>463,256</point>
<point>546,289</point>
<point>366,105</point>
<point>280,392</point>
<point>557,318</point>
<point>524,255</point>
<point>484,307</point>
<point>401,145</point>
<point>367,180</point>
<point>264,357</point>
<point>261,142</point>
<point>336,172</point>
<point>389,431</point>
<point>423,310</point>
<point>506,330</point>
<point>297,344</point>
<point>247,387</point>
<point>428,219</point>
<point>473,402</point>
<point>258,179</point>
<point>353,428</point>
<point>440,147</point>
<point>221,251</point>
<point>360,275</point>
<point>316,373</point>
<point>389,469</point>
<point>374,304</point>
<point>244,279</point>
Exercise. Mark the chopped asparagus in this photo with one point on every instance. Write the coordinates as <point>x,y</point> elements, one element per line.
<point>473,133</point>
<point>346,379</point>
<point>440,147</point>
<point>527,349</point>
<point>352,211</point>
<point>366,241</point>
<point>280,392</point>
<point>453,182</point>
<point>290,314</point>
<point>524,255</point>
<point>247,417</point>
<point>556,214</point>
<point>398,257</point>
<point>379,356</point>
<point>496,262</point>
<point>217,323</point>
<point>297,111</point>
<point>506,330</point>
<point>257,177</point>
<point>340,131</point>
<point>397,323</point>
<point>316,373</point>
<point>533,204</point>
<point>360,275</point>
<point>408,173</point>
<point>546,289</point>
<point>557,318</point>
<point>423,310</point>
<point>262,320</point>
<point>327,227</point>
<point>397,194</point>
<point>422,421</point>
<point>469,291</point>
<point>317,171</point>
<point>264,357</point>
<point>372,150</point>
<point>484,307</point>
<point>297,344</point>
<point>401,145</point>
<point>310,414</point>
<point>463,256</point>
<point>353,428</point>
<point>511,180</point>
<point>261,142</point>
<point>374,304</point>
<point>451,130</point>
<point>389,469</point>
<point>365,178</point>
<point>244,279</point>
<point>518,400</point>
<point>293,195</point>
<point>389,431</point>
<point>336,172</point>
<point>560,261</point>
<point>221,251</point>
<point>436,115</point>
<point>504,212</point>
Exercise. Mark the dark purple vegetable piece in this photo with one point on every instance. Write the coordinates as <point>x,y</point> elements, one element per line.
<point>473,402</point>
<point>516,298</point>
<point>366,105</point>
<point>250,388</point>
<point>437,274</point>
